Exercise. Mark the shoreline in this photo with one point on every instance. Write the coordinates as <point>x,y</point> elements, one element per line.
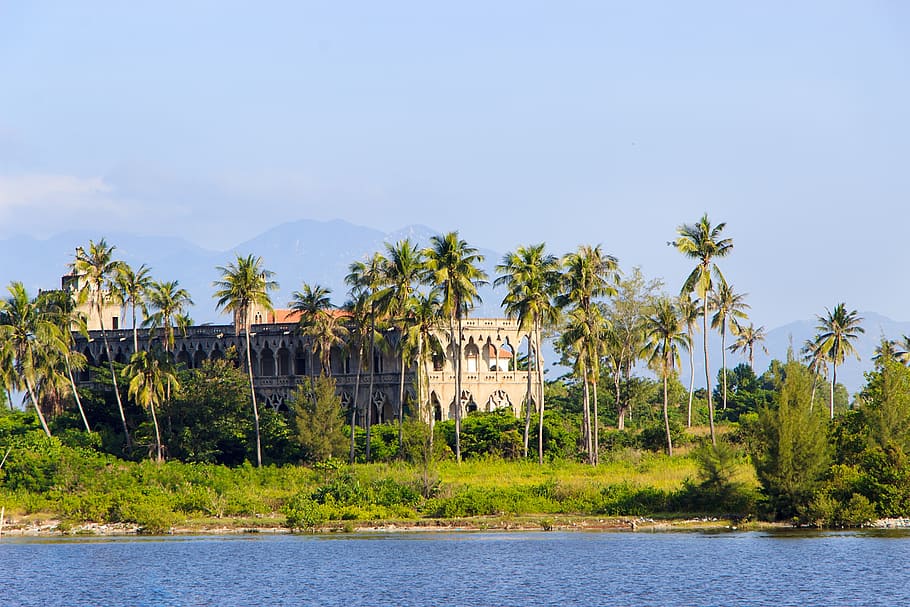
<point>51,527</point>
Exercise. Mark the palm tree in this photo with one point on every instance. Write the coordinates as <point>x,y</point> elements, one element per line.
<point>359,327</point>
<point>702,242</point>
<point>402,273</point>
<point>131,288</point>
<point>421,344</point>
<point>665,333</point>
<point>746,340</point>
<point>531,277</point>
<point>150,374</point>
<point>31,334</point>
<point>61,307</point>
<point>688,310</point>
<point>312,302</point>
<point>836,331</point>
<point>452,267</point>
<point>903,346</point>
<point>169,302</point>
<point>885,351</point>
<point>815,359</point>
<point>589,273</point>
<point>97,268</point>
<point>8,376</point>
<point>365,279</point>
<point>728,305</point>
<point>575,341</point>
<point>245,283</point>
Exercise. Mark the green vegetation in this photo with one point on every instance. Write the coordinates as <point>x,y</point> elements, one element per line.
<point>611,441</point>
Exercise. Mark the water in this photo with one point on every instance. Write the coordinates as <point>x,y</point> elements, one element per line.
<point>540,568</point>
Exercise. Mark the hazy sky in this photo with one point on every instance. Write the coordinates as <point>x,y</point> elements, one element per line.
<point>513,122</point>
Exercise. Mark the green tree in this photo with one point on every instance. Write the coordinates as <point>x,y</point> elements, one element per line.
<point>131,288</point>
<point>452,265</point>
<point>32,335</point>
<point>150,375</point>
<point>728,306</point>
<point>702,242</point>
<point>837,330</point>
<point>319,419</point>
<point>98,269</point>
<point>665,337</point>
<point>167,301</point>
<point>314,304</point>
<point>746,340</point>
<point>689,311</point>
<point>794,453</point>
<point>532,279</point>
<point>245,283</point>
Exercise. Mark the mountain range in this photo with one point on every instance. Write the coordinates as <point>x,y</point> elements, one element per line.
<point>320,252</point>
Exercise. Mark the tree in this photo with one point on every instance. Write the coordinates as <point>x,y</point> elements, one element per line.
<point>532,280</point>
<point>452,265</point>
<point>319,419</point>
<point>746,340</point>
<point>836,332</point>
<point>169,301</point>
<point>365,279</point>
<point>702,242</point>
<point>245,283</point>
<point>150,375</point>
<point>319,322</point>
<point>793,452</point>
<point>665,337</point>
<point>31,334</point>
<point>421,344</point>
<point>98,268</point>
<point>688,310</point>
<point>588,274</point>
<point>131,288</point>
<point>728,305</point>
<point>403,273</point>
<point>313,303</point>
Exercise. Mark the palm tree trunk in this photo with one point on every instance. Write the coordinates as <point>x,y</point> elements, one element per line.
<point>751,358</point>
<point>69,372</point>
<point>457,346</point>
<point>833,382</point>
<point>249,368</point>
<point>31,395</point>
<point>372,361</point>
<point>160,457</point>
<point>135,331</point>
<point>708,374</point>
<point>691,384</point>
<point>723,354</point>
<point>9,399</point>
<point>586,398</point>
<point>528,399</point>
<point>596,429</point>
<point>354,399</point>
<point>620,410</point>
<point>401,403</point>
<point>110,362</point>
<point>667,416</point>
<point>538,356</point>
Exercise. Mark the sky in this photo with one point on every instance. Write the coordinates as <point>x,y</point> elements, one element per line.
<point>512,122</point>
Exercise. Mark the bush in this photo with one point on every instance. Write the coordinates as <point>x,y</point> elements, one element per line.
<point>304,513</point>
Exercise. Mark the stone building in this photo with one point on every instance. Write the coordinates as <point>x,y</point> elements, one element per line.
<point>282,357</point>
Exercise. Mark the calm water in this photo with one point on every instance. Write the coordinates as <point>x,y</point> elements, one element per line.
<point>462,569</point>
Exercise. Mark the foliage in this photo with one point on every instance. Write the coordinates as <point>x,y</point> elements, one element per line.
<point>319,420</point>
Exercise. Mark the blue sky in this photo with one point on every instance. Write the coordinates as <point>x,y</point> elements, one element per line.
<point>513,122</point>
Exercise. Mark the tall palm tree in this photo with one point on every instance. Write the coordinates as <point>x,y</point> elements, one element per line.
<point>728,305</point>
<point>9,379</point>
<point>97,269</point>
<point>150,374</point>
<point>365,279</point>
<point>245,283</point>
<point>531,277</point>
<point>31,334</point>
<point>885,351</point>
<point>62,309</point>
<point>689,311</point>
<point>421,344</point>
<point>588,274</point>
<point>453,267</point>
<point>313,303</point>
<point>702,242</point>
<point>575,341</point>
<point>836,332</point>
<point>746,340</point>
<point>359,328</point>
<point>815,360</point>
<point>402,274</point>
<point>665,333</point>
<point>131,288</point>
<point>168,301</point>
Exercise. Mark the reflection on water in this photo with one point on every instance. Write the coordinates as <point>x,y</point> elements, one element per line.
<point>786,567</point>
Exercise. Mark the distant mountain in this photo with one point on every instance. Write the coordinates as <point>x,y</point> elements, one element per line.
<point>320,252</point>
